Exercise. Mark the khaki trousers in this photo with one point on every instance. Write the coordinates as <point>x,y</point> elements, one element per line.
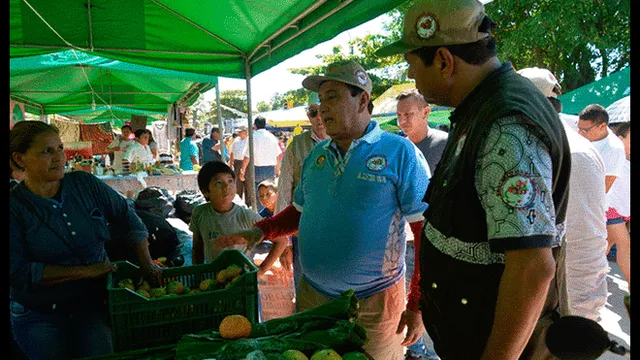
<point>379,314</point>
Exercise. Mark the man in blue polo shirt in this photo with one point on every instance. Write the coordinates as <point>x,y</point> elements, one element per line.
<point>357,191</point>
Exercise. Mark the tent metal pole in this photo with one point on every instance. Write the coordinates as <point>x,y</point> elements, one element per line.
<point>125,50</point>
<point>199,27</point>
<point>302,31</point>
<point>219,114</point>
<point>90,27</point>
<point>97,92</point>
<point>249,183</point>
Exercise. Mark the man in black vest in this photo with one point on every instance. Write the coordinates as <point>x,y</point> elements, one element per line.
<point>498,197</point>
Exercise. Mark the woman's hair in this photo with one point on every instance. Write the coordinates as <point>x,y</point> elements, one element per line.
<point>139,133</point>
<point>23,134</point>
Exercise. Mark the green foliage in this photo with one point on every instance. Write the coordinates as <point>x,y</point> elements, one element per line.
<point>291,98</point>
<point>206,111</point>
<point>575,40</point>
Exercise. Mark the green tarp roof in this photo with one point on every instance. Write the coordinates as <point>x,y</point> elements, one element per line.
<point>114,114</point>
<point>209,37</point>
<point>72,80</point>
<point>603,92</point>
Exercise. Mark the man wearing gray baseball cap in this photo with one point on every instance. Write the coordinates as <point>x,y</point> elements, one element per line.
<point>497,200</point>
<point>357,191</point>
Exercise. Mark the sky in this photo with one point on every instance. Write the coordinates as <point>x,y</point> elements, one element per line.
<point>279,80</point>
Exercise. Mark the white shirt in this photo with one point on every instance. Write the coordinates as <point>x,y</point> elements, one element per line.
<point>238,148</point>
<point>586,247</point>
<point>139,154</point>
<point>612,151</point>
<point>265,148</point>
<point>117,155</point>
<point>620,192</point>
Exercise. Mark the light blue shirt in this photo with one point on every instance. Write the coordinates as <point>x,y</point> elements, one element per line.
<point>354,210</point>
<point>188,148</point>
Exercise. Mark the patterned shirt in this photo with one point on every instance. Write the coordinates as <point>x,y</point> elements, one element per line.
<point>513,180</point>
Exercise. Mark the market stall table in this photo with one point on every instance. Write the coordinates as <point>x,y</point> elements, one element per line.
<point>129,184</point>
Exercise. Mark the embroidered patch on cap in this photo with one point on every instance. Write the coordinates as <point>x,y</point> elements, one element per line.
<point>376,163</point>
<point>426,26</point>
<point>361,76</point>
<point>518,191</point>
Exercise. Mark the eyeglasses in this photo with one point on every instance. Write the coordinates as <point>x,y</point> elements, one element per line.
<point>312,112</point>
<point>585,131</point>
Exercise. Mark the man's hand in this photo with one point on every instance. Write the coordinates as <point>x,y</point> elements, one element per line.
<point>286,259</point>
<point>241,176</point>
<point>249,237</point>
<point>153,274</point>
<point>415,327</point>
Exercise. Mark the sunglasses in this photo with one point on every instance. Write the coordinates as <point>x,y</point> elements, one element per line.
<point>313,112</point>
<point>586,131</point>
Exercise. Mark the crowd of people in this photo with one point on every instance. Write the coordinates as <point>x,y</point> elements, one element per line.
<point>460,244</point>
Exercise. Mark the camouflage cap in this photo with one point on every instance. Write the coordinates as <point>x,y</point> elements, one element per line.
<point>349,72</point>
<point>438,23</point>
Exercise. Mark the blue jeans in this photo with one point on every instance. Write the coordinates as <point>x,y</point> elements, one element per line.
<point>424,345</point>
<point>55,336</point>
<point>262,173</point>
<point>297,269</point>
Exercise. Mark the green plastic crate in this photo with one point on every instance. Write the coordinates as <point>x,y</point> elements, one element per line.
<point>138,322</point>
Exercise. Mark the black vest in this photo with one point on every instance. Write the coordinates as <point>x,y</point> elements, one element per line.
<point>460,289</point>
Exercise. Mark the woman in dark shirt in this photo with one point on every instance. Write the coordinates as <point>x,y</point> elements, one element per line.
<point>58,226</point>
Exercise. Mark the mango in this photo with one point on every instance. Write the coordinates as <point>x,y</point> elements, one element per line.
<point>175,287</point>
<point>143,293</point>
<point>233,270</point>
<point>207,284</point>
<point>157,292</point>
<point>293,354</point>
<point>222,276</point>
<point>144,286</point>
<point>126,284</point>
<point>326,354</point>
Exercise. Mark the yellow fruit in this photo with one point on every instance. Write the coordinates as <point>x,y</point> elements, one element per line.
<point>294,355</point>
<point>207,284</point>
<point>126,284</point>
<point>144,293</point>
<point>235,327</point>
<point>222,276</point>
<point>326,354</point>
<point>157,292</point>
<point>233,271</point>
<point>144,286</point>
<point>175,287</point>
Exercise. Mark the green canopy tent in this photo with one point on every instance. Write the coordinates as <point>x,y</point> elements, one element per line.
<point>114,114</point>
<point>72,81</point>
<point>234,38</point>
<point>604,92</point>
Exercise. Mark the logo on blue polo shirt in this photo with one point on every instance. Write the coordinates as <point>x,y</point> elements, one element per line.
<point>377,163</point>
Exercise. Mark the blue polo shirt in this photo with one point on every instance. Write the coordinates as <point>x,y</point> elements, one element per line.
<point>188,148</point>
<point>354,210</point>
